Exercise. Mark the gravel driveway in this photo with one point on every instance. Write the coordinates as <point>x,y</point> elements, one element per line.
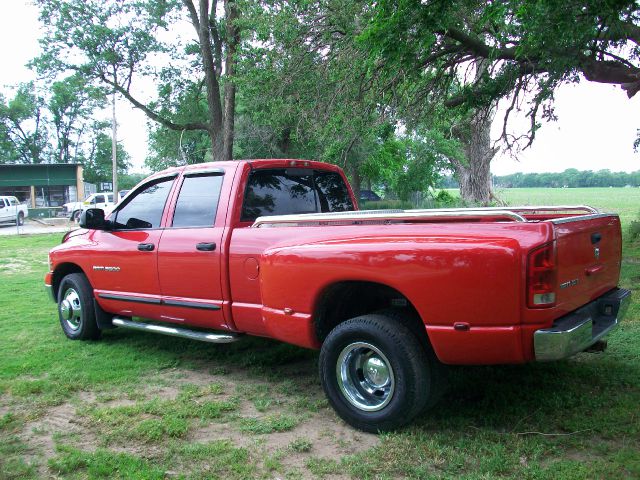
<point>32,227</point>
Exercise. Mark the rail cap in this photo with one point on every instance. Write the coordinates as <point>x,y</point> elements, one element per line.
<point>509,213</point>
<point>383,216</point>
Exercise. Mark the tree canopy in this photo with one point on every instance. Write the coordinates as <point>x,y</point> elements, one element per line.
<point>528,47</point>
<point>395,92</point>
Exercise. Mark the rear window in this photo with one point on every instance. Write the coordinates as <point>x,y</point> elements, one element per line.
<point>294,191</point>
<point>198,201</point>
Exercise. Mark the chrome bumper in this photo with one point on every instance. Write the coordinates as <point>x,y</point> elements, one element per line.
<point>578,330</point>
<point>49,289</point>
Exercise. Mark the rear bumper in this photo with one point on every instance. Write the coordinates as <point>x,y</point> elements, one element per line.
<point>580,329</point>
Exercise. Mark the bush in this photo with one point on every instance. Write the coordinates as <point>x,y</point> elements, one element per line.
<point>634,230</point>
<point>386,205</point>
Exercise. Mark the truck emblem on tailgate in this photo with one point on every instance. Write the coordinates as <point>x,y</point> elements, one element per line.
<point>570,283</point>
<point>596,252</point>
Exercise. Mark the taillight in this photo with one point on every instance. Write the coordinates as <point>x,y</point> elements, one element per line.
<point>541,276</point>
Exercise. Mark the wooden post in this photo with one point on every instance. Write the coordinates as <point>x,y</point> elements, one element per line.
<point>79,183</point>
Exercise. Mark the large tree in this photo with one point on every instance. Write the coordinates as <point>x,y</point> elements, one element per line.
<point>308,91</point>
<point>71,105</point>
<point>23,133</point>
<point>117,43</point>
<point>430,51</point>
<point>98,165</point>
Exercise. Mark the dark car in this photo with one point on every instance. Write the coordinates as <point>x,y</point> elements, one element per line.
<point>369,196</point>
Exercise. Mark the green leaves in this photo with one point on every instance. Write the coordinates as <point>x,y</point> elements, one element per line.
<point>23,135</point>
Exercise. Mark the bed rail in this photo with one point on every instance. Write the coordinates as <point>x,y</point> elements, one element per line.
<point>383,216</point>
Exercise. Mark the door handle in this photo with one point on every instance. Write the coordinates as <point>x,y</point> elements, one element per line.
<point>593,270</point>
<point>206,247</point>
<point>146,247</point>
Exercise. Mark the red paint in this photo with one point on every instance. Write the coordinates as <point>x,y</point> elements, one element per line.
<point>269,281</point>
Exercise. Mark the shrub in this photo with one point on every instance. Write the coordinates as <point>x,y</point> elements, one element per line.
<point>634,230</point>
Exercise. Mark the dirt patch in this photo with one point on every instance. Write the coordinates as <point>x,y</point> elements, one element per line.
<point>327,436</point>
<point>16,266</point>
<point>61,420</point>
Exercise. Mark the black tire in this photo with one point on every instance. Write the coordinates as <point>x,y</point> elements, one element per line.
<point>75,308</point>
<point>20,218</point>
<point>368,350</point>
<point>75,216</point>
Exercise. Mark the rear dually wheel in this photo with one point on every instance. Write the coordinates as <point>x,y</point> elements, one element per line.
<point>376,373</point>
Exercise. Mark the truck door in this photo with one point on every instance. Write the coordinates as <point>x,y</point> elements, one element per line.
<point>124,269</point>
<point>4,211</point>
<point>189,258</point>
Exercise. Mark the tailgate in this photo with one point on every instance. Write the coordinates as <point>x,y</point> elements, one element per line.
<point>588,258</point>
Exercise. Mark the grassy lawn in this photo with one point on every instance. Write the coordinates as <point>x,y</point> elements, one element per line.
<point>136,405</point>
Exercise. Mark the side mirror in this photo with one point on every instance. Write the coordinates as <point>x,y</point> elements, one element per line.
<point>93,218</point>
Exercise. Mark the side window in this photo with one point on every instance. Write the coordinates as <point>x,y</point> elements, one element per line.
<point>13,201</point>
<point>99,199</point>
<point>333,195</point>
<point>110,198</point>
<point>198,201</point>
<point>279,192</point>
<point>2,203</point>
<point>144,209</point>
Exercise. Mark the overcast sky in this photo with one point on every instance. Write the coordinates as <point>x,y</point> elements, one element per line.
<point>596,128</point>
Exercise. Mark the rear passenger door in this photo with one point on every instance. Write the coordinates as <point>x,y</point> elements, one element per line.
<point>189,257</point>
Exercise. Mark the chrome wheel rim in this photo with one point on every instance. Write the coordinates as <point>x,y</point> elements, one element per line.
<point>71,309</point>
<point>365,376</point>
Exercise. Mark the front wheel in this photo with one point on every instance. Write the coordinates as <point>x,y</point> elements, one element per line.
<point>75,216</point>
<point>376,373</point>
<point>75,308</point>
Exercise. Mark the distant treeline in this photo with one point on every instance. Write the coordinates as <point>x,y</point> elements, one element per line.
<point>571,178</point>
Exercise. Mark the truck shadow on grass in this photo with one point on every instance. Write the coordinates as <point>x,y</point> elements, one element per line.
<point>590,392</point>
<point>260,402</point>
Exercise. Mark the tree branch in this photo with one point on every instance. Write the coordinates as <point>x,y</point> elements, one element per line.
<point>150,113</point>
<point>215,35</point>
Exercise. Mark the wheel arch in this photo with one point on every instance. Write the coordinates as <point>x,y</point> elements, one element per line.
<point>62,271</point>
<point>344,300</point>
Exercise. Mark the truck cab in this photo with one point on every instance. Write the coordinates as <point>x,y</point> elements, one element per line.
<point>11,210</point>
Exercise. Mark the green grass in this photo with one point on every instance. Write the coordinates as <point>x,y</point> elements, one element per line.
<point>624,201</point>
<point>141,406</point>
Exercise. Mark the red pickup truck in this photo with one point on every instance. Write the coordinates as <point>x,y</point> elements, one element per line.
<point>277,248</point>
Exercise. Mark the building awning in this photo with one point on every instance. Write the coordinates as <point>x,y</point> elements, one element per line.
<point>39,175</point>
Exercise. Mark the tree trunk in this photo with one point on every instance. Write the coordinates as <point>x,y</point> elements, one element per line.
<point>355,180</point>
<point>474,172</point>
<point>200,21</point>
<point>284,142</point>
<point>233,38</point>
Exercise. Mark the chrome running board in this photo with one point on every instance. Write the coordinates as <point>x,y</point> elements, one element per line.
<point>176,332</point>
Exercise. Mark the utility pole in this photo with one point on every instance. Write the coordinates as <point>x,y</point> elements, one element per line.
<point>114,149</point>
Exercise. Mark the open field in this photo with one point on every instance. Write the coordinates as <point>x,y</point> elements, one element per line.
<point>135,405</point>
<point>624,201</point>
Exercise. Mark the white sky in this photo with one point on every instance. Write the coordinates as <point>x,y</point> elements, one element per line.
<point>596,128</point>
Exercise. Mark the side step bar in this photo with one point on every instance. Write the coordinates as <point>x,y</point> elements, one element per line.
<point>176,332</point>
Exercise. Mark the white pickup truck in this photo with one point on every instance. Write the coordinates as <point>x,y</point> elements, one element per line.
<point>103,201</point>
<point>11,210</point>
